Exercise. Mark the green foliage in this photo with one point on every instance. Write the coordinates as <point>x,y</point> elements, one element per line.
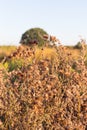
<point>5,65</point>
<point>13,64</point>
<point>33,35</point>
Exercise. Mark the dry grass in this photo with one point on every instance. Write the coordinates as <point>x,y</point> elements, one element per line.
<point>75,52</point>
<point>6,50</point>
<point>45,53</point>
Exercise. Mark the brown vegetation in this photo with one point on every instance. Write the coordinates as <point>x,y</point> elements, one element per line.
<point>49,94</point>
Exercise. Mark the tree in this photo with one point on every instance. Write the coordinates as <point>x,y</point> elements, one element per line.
<point>80,43</point>
<point>34,36</point>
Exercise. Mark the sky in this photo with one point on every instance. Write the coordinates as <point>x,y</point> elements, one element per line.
<point>65,19</point>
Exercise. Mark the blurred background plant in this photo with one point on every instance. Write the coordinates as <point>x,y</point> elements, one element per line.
<point>34,36</point>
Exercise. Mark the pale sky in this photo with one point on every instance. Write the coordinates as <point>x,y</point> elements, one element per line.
<point>65,19</point>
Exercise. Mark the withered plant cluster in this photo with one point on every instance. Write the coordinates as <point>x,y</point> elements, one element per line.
<point>45,95</point>
<point>21,52</point>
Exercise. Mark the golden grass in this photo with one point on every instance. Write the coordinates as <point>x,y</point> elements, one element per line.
<point>46,53</point>
<point>7,49</point>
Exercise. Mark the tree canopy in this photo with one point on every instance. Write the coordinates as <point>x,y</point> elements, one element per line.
<point>34,36</point>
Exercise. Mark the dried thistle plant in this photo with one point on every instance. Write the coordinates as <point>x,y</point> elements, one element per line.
<point>50,94</point>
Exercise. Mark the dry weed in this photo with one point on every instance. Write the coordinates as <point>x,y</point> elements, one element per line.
<point>50,94</point>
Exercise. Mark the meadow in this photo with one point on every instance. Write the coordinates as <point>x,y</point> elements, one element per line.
<point>43,88</point>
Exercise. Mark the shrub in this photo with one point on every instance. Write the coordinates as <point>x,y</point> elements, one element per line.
<point>78,45</point>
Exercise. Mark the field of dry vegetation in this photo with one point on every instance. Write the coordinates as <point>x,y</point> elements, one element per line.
<point>43,88</point>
